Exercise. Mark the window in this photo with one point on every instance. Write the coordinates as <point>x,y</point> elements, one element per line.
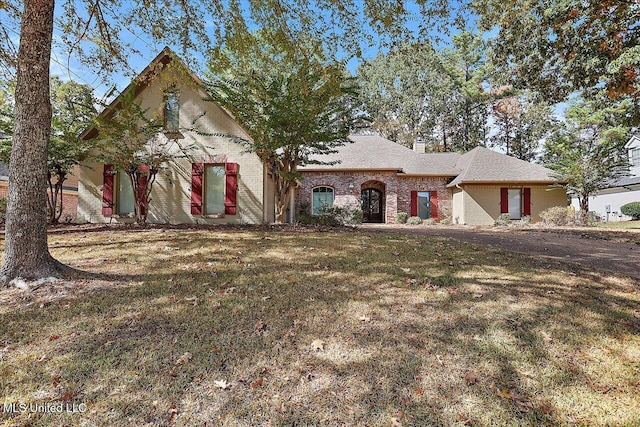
<point>635,157</point>
<point>214,182</point>
<point>213,189</point>
<point>515,201</point>
<point>124,195</point>
<point>171,112</point>
<point>322,196</point>
<point>424,204</point>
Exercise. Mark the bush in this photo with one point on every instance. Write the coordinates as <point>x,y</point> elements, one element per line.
<point>429,221</point>
<point>402,217</point>
<point>559,216</point>
<point>331,216</point>
<point>631,209</point>
<point>414,220</point>
<point>503,219</point>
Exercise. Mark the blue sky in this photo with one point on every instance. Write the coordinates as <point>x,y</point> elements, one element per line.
<point>68,68</point>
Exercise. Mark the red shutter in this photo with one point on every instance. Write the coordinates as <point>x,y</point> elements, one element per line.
<point>414,203</point>
<point>143,178</point>
<point>231,188</point>
<point>527,201</point>
<point>504,200</point>
<point>107,190</point>
<point>196,188</point>
<point>433,201</point>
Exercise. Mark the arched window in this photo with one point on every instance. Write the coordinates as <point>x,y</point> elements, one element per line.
<point>322,197</point>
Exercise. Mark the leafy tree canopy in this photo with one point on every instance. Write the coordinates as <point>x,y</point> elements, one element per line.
<point>562,46</point>
<point>293,102</point>
<point>588,150</point>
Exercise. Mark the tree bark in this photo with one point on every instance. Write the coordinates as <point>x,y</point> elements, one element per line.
<point>26,251</point>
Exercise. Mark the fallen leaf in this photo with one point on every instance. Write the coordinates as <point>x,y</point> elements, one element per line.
<point>54,337</point>
<point>506,394</point>
<point>257,383</point>
<point>395,422</point>
<point>173,413</point>
<point>546,337</point>
<point>68,396</point>
<point>471,378</point>
<point>56,379</point>
<point>184,358</point>
<point>406,270</point>
<point>419,392</point>
<point>222,384</point>
<point>365,318</point>
<point>318,345</point>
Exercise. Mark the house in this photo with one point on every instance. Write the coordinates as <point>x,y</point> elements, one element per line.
<point>385,178</point>
<point>606,202</point>
<point>218,182</point>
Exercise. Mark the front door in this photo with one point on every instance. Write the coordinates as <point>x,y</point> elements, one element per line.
<point>372,205</point>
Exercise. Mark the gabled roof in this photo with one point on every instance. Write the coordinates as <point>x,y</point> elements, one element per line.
<point>371,152</point>
<point>484,166</point>
<point>139,83</point>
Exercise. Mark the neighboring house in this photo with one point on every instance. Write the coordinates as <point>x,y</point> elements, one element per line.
<point>385,178</point>
<point>606,202</point>
<point>218,183</point>
<point>69,192</point>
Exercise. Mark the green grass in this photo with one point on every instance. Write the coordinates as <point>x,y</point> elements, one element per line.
<point>318,328</point>
<point>621,225</point>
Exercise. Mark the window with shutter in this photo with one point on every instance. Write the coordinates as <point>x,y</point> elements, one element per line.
<point>214,189</point>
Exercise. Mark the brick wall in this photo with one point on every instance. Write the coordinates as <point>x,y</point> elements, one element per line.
<point>439,184</point>
<point>69,201</point>
<point>396,190</point>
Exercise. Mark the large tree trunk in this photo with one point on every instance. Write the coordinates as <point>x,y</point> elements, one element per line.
<point>26,251</point>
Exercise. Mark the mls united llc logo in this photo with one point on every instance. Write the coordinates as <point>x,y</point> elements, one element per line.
<point>48,407</point>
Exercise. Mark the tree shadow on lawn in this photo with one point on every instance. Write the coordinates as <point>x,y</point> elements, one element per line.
<point>327,330</point>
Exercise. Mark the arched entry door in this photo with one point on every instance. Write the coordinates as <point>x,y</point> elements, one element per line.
<point>372,205</point>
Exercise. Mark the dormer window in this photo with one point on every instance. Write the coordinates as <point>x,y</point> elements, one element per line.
<point>171,112</point>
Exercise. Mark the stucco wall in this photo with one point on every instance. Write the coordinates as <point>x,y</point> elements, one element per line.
<point>457,206</point>
<point>481,203</point>
<point>170,197</point>
<point>397,190</point>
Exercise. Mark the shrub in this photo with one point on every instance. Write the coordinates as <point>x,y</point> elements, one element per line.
<point>331,216</point>
<point>402,217</point>
<point>503,219</point>
<point>559,216</point>
<point>414,220</point>
<point>429,221</point>
<point>631,209</point>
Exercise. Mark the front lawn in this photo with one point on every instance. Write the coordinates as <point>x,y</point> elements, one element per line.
<point>261,327</point>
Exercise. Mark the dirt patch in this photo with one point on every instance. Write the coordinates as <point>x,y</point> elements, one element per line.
<point>603,251</point>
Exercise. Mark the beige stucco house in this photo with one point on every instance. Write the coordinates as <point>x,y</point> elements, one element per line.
<point>219,182</point>
<point>384,178</point>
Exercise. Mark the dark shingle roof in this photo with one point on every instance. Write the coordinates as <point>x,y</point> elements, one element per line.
<point>482,165</point>
<point>377,153</point>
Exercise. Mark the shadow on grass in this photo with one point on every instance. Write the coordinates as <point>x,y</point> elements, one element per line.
<point>325,328</point>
